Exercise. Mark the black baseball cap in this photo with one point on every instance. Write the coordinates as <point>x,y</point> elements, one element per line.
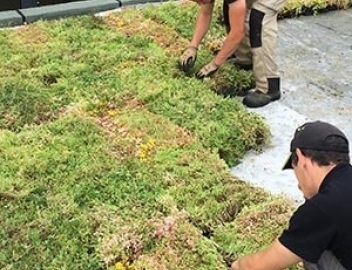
<point>313,136</point>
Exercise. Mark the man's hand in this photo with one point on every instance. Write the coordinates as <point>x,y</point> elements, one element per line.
<point>188,58</point>
<point>234,265</point>
<point>276,256</point>
<point>207,71</point>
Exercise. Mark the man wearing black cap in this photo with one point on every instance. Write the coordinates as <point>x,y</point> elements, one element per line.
<point>319,233</point>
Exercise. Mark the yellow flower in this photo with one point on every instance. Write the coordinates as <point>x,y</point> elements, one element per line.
<point>146,149</point>
<point>119,266</point>
<point>120,24</point>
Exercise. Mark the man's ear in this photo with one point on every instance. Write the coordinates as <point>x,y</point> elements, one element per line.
<point>301,158</point>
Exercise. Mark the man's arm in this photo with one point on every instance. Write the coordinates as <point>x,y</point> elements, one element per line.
<point>275,257</point>
<point>237,15</point>
<point>189,56</point>
<point>203,23</point>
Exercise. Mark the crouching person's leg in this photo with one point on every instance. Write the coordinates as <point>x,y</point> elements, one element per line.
<point>327,261</point>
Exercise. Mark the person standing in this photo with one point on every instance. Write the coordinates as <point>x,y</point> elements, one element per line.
<point>319,230</point>
<point>252,28</point>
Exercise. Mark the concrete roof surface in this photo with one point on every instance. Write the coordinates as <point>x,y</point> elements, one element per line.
<point>314,56</point>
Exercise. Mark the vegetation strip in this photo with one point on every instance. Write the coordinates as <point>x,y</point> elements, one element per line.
<point>111,155</point>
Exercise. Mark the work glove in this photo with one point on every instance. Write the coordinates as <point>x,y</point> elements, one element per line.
<point>188,58</point>
<point>207,71</point>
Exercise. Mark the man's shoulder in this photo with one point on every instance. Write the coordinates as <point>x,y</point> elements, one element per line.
<point>334,199</point>
<point>337,183</point>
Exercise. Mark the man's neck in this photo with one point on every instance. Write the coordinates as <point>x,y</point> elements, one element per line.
<point>321,173</point>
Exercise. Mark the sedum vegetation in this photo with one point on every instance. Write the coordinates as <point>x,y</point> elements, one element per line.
<point>295,8</point>
<point>114,159</point>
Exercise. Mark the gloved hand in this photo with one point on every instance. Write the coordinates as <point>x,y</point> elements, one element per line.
<point>188,58</point>
<point>207,71</point>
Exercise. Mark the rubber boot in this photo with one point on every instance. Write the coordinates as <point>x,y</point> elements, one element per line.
<point>233,60</point>
<point>232,91</point>
<point>258,99</point>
